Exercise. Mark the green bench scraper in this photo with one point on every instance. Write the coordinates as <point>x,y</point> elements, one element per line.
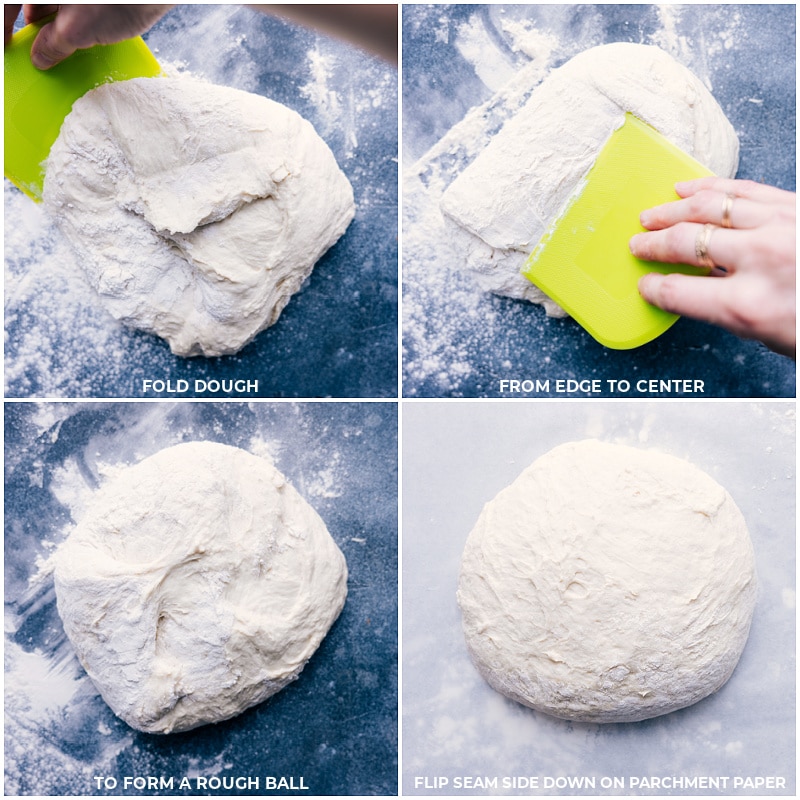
<point>36,102</point>
<point>583,261</point>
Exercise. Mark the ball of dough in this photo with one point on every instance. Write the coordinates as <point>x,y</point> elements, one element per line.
<point>198,584</point>
<point>500,206</point>
<point>196,210</point>
<point>608,584</point>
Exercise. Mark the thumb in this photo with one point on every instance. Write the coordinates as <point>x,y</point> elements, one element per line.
<point>50,46</point>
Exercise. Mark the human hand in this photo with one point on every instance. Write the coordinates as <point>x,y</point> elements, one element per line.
<point>76,27</point>
<point>745,232</point>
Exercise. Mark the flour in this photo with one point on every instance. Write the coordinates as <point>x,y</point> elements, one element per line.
<point>608,584</point>
<point>197,210</point>
<point>504,201</point>
<point>198,584</point>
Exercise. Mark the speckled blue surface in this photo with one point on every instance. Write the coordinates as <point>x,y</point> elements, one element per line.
<point>459,343</point>
<point>336,726</point>
<point>337,337</point>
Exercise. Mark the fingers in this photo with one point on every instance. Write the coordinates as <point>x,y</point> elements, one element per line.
<point>685,242</point>
<point>742,230</point>
<point>33,12</point>
<point>750,190</point>
<point>76,27</point>
<point>748,309</point>
<point>708,205</point>
<point>700,298</point>
<point>10,14</point>
<point>712,224</point>
<point>52,44</point>
<point>687,295</point>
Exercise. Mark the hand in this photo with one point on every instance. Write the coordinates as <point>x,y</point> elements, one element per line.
<point>750,249</point>
<point>76,27</point>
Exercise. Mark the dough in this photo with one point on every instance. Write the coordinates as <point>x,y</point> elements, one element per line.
<point>501,204</point>
<point>197,210</point>
<point>197,585</point>
<point>608,584</point>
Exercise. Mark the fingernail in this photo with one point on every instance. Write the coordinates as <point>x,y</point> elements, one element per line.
<point>632,244</point>
<point>645,218</point>
<point>644,283</point>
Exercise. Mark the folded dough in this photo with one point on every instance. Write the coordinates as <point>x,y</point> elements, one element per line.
<point>501,204</point>
<point>196,210</point>
<point>198,584</point>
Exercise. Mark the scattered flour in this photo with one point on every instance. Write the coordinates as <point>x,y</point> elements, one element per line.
<point>61,343</point>
<point>492,66</point>
<point>449,325</point>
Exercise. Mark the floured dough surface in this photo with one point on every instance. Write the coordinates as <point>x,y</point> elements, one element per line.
<point>197,585</point>
<point>196,210</point>
<point>502,203</point>
<point>608,584</point>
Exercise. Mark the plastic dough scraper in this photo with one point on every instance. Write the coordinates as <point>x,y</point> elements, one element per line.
<point>36,102</point>
<point>583,260</point>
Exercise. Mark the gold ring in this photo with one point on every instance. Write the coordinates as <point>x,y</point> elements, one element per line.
<point>727,205</point>
<point>701,245</point>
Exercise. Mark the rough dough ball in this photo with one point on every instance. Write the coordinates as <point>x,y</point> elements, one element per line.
<point>196,210</point>
<point>608,584</point>
<point>197,585</point>
<point>502,203</point>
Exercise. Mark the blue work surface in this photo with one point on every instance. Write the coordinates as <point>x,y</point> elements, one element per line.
<point>460,63</point>
<point>335,726</point>
<point>456,725</point>
<point>338,335</point>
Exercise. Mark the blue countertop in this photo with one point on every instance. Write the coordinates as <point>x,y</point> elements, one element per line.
<point>335,726</point>
<point>460,342</point>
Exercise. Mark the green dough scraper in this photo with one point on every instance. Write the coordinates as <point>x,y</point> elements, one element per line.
<point>583,261</point>
<point>36,102</point>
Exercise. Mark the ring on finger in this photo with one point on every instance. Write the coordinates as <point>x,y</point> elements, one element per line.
<point>701,245</point>
<point>727,206</point>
